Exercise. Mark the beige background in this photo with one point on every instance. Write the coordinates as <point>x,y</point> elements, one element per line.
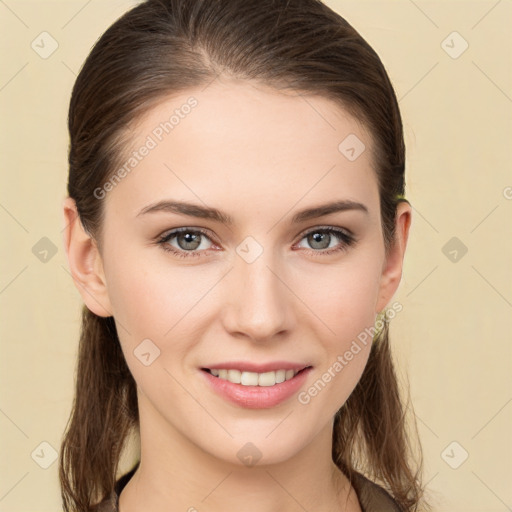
<point>453,337</point>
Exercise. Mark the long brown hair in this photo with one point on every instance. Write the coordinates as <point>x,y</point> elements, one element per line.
<point>162,47</point>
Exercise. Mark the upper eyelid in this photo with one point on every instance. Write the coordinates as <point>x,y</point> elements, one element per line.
<point>186,229</point>
<point>328,226</point>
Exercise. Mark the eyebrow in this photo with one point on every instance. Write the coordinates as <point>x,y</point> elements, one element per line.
<point>205,212</point>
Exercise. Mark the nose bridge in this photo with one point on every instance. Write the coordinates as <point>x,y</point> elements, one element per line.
<point>259,302</point>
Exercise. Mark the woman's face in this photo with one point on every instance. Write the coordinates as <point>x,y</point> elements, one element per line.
<point>271,287</point>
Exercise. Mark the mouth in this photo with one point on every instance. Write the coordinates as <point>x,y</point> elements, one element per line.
<point>259,379</point>
<point>256,390</point>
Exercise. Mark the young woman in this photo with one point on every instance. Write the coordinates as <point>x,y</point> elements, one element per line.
<point>236,226</point>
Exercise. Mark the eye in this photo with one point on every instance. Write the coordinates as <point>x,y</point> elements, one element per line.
<point>320,239</point>
<point>189,242</point>
<point>193,242</point>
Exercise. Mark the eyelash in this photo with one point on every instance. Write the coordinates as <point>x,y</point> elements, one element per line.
<point>347,240</point>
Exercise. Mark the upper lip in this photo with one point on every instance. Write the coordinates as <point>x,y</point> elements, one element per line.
<point>246,366</point>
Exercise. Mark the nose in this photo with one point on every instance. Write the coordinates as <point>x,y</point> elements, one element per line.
<point>259,304</point>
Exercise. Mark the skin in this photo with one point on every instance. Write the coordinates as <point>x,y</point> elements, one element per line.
<point>260,156</point>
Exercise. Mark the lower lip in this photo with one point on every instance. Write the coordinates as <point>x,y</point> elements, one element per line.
<point>257,397</point>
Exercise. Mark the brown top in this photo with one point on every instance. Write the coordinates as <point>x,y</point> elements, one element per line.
<point>372,497</point>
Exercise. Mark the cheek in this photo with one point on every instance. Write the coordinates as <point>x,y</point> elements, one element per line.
<point>149,299</point>
<point>343,297</point>
<point>155,306</point>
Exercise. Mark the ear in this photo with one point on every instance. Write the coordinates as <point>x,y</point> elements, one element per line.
<point>392,268</point>
<point>84,261</point>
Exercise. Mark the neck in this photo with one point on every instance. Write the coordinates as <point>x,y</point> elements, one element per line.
<point>175,474</point>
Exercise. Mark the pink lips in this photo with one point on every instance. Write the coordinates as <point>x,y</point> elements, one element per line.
<point>257,397</point>
<point>258,368</point>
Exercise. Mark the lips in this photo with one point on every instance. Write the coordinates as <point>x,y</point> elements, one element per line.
<point>267,392</point>
<point>246,366</point>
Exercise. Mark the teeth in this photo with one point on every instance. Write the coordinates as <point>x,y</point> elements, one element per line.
<point>280,376</point>
<point>254,379</point>
<point>234,376</point>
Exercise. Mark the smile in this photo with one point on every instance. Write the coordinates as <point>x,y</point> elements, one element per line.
<point>254,390</point>
<point>252,378</point>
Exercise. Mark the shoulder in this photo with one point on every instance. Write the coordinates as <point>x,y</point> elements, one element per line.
<point>111,503</point>
<point>373,497</point>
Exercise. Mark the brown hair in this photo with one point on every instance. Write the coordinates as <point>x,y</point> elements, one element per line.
<point>163,47</point>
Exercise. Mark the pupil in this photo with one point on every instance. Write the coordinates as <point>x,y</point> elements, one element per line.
<point>320,238</point>
<point>189,238</point>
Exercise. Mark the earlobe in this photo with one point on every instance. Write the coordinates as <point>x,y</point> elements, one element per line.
<point>84,261</point>
<point>392,268</point>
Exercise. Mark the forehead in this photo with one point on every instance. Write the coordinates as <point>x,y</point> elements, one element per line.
<point>249,141</point>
